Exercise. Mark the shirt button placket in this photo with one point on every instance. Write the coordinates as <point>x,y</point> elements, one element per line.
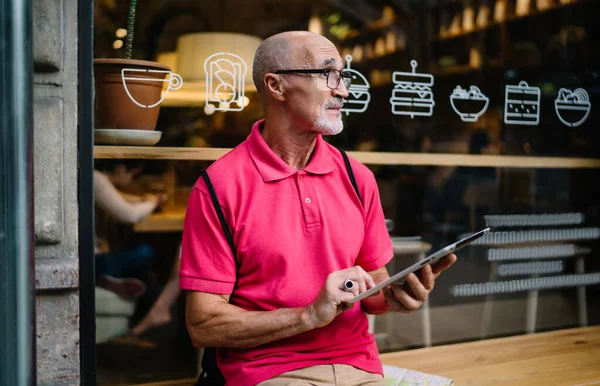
<point>309,210</point>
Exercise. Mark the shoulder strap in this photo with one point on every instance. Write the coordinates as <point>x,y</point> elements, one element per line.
<point>217,206</point>
<point>351,174</point>
<point>211,374</point>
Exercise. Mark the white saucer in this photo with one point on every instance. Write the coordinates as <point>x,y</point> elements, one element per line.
<point>126,137</point>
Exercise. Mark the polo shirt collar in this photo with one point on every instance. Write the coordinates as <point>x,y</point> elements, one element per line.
<point>273,168</point>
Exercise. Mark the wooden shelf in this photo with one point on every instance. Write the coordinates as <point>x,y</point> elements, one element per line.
<point>368,158</point>
<point>159,153</point>
<point>508,19</point>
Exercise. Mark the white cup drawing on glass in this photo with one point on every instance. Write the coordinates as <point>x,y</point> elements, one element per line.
<point>225,73</point>
<point>174,82</point>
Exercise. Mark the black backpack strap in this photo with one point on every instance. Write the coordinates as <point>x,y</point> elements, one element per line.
<point>217,206</point>
<point>351,174</point>
<point>211,374</point>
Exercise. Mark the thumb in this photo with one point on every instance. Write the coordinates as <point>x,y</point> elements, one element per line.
<point>345,297</point>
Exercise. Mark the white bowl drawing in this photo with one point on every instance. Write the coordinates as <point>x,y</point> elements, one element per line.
<point>469,105</point>
<point>572,107</point>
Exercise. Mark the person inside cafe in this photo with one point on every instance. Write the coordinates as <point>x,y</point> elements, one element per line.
<point>121,270</point>
<point>160,312</point>
<point>277,310</point>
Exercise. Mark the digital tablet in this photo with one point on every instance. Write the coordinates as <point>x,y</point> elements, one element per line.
<point>418,265</point>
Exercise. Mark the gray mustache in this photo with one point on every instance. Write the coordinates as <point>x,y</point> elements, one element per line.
<point>336,104</point>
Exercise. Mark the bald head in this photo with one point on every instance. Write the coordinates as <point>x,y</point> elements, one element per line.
<point>286,50</point>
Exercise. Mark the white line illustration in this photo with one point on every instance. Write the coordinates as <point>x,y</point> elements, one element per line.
<point>522,104</point>
<point>358,92</point>
<point>225,73</point>
<point>572,107</point>
<point>412,94</point>
<point>175,82</point>
<point>469,105</point>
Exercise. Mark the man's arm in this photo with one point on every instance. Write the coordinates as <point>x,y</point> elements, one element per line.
<point>212,321</point>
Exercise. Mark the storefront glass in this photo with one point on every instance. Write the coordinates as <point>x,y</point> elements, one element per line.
<point>470,113</point>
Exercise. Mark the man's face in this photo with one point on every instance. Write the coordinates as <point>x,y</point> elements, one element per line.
<point>309,98</point>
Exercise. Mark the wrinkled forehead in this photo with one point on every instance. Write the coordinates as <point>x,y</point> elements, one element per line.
<point>317,53</point>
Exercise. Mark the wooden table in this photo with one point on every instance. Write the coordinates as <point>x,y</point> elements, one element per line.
<point>562,357</point>
<point>170,219</point>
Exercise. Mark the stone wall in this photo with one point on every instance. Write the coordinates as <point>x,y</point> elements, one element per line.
<point>55,186</point>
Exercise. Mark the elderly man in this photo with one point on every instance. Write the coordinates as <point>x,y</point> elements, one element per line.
<point>279,315</point>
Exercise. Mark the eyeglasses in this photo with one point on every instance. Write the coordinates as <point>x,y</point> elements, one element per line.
<point>333,76</point>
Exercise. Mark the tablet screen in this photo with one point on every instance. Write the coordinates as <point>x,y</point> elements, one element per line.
<point>418,265</point>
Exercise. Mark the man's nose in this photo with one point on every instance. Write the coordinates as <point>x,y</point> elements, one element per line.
<point>341,90</point>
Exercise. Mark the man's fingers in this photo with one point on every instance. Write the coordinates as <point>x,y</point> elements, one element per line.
<point>416,287</point>
<point>352,287</point>
<point>362,286</point>
<point>427,277</point>
<point>369,282</point>
<point>405,299</point>
<point>391,301</point>
<point>443,264</point>
<point>345,297</point>
<point>358,275</point>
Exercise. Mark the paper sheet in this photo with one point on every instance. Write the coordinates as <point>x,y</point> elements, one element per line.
<point>396,376</point>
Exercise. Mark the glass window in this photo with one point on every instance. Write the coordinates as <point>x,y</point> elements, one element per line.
<point>469,113</point>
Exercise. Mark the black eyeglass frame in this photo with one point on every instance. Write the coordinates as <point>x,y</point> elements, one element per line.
<point>346,75</point>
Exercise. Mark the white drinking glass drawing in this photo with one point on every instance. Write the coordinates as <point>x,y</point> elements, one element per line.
<point>572,107</point>
<point>225,73</point>
<point>522,104</point>
<point>412,93</point>
<point>135,74</point>
<point>469,105</point>
<point>358,92</point>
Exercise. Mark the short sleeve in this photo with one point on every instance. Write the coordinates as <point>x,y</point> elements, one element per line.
<point>376,250</point>
<point>207,262</point>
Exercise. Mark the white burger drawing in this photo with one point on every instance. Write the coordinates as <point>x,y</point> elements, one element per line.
<point>469,105</point>
<point>358,92</point>
<point>572,107</point>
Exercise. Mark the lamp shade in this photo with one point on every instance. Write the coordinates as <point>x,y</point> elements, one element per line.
<point>193,50</point>
<point>168,58</point>
<point>189,62</point>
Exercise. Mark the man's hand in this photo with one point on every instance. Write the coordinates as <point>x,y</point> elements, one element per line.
<point>410,295</point>
<point>332,298</point>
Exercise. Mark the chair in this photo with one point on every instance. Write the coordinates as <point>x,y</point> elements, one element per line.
<point>540,246</point>
<point>112,315</point>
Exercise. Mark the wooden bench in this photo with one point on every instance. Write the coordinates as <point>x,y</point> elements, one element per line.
<point>562,357</point>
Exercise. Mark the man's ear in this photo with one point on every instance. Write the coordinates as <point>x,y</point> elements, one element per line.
<point>274,86</point>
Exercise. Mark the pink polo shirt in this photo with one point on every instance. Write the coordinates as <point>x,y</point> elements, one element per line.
<point>291,228</point>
